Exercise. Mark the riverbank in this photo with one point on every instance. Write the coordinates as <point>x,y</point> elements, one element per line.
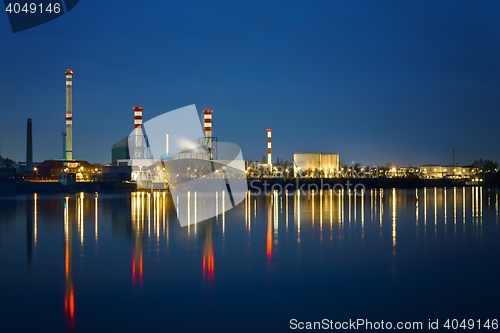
<point>268,184</point>
<point>13,186</point>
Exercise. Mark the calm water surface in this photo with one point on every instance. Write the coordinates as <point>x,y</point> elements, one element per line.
<point>122,263</point>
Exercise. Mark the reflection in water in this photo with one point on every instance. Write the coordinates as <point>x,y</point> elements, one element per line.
<point>96,222</point>
<point>394,219</point>
<point>149,216</point>
<point>286,207</point>
<point>269,234</point>
<point>69,297</point>
<point>463,206</point>
<point>425,206</point>
<point>445,206</point>
<point>248,207</point>
<point>297,213</point>
<point>208,261</point>
<point>394,269</point>
<point>435,206</point>
<point>29,228</point>
<point>381,207</point>
<point>416,208</point>
<point>138,210</point>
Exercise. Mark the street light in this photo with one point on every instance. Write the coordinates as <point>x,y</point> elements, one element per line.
<point>36,172</point>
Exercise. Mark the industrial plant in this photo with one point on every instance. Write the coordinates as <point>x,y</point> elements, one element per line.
<point>135,165</point>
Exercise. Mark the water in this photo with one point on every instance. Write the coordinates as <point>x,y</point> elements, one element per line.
<point>121,263</point>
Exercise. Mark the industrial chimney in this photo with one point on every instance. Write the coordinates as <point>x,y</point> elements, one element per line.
<point>269,149</point>
<point>138,144</point>
<point>207,121</point>
<point>29,146</point>
<point>69,115</point>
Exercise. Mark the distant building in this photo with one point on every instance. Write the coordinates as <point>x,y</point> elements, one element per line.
<point>433,171</point>
<point>316,164</point>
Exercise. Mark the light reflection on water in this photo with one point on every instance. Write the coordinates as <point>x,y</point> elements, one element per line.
<point>312,232</point>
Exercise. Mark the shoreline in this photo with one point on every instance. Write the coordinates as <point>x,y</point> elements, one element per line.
<point>14,186</point>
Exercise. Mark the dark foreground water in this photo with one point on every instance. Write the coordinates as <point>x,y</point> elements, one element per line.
<point>121,263</point>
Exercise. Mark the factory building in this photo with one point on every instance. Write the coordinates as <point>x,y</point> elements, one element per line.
<point>310,164</point>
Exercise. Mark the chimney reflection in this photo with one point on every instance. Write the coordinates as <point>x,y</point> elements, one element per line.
<point>30,209</point>
<point>208,261</point>
<point>35,218</point>
<point>69,296</point>
<point>269,234</point>
<point>138,235</point>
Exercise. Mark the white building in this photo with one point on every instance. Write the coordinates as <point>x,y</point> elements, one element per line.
<point>316,164</point>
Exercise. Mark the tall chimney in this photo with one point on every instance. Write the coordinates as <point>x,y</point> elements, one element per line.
<point>269,149</point>
<point>207,121</point>
<point>69,114</point>
<point>137,116</point>
<point>29,146</point>
<point>138,144</point>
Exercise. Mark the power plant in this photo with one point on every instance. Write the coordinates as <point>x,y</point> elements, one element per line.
<point>69,115</point>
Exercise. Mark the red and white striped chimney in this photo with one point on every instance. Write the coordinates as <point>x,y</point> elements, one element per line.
<point>69,115</point>
<point>207,124</point>
<point>137,116</point>
<point>269,148</point>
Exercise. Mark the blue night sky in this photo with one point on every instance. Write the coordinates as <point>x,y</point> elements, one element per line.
<point>375,81</point>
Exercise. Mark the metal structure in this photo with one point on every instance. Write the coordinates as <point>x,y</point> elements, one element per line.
<point>29,146</point>
<point>69,115</point>
<point>269,147</point>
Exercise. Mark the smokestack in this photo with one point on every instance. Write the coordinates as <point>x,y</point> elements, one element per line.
<point>269,149</point>
<point>29,146</point>
<point>207,121</point>
<point>137,116</point>
<point>138,144</point>
<point>69,114</point>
